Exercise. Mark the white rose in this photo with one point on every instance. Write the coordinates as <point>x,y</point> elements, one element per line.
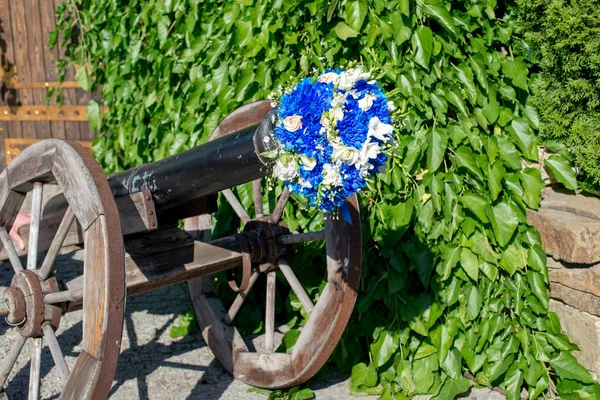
<point>285,168</point>
<point>307,162</point>
<point>329,77</point>
<point>331,175</point>
<point>366,102</point>
<point>349,155</point>
<point>293,123</point>
<point>379,130</point>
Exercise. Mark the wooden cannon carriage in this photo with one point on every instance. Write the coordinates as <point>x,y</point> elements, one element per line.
<point>127,225</point>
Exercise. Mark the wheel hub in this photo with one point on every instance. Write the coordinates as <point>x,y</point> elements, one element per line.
<point>25,302</point>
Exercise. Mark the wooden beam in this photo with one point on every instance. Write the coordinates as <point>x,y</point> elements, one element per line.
<point>167,257</point>
<point>136,212</point>
<point>45,113</point>
<point>12,81</point>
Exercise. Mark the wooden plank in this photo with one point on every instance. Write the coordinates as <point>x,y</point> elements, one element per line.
<point>44,113</point>
<point>136,214</point>
<point>37,66</point>
<point>72,131</point>
<point>171,256</point>
<point>14,147</point>
<point>21,49</point>
<point>85,129</point>
<point>47,12</point>
<point>8,62</point>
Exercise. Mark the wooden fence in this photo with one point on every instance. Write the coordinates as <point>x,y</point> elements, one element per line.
<point>28,70</point>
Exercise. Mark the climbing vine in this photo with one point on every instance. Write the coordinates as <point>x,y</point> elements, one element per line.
<point>454,287</point>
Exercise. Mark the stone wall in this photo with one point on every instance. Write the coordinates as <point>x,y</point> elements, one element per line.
<point>569,224</point>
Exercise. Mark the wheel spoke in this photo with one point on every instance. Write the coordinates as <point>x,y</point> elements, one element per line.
<point>236,205</point>
<point>270,312</point>
<point>3,309</point>
<point>35,370</point>
<point>56,352</point>
<point>64,296</point>
<point>296,285</point>
<point>258,199</point>
<point>280,207</point>
<point>239,300</point>
<point>301,237</point>
<point>34,225</point>
<point>9,361</point>
<point>13,256</point>
<point>57,243</point>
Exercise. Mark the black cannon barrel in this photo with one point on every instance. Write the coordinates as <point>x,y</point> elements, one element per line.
<point>214,166</point>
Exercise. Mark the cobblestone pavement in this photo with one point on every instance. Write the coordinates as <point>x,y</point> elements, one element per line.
<point>151,364</point>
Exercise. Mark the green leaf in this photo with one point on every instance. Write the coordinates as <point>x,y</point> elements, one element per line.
<point>504,222</point>
<point>532,185</point>
<point>363,376</point>
<point>509,153</point>
<point>384,347</point>
<point>422,45</point>
<point>496,172</point>
<point>476,204</point>
<point>470,264</point>
<point>463,157</point>
<point>93,115</point>
<point>83,78</point>
<point>304,394</point>
<point>453,387</point>
<point>355,13</point>
<point>437,144</point>
<point>450,257</point>
<point>452,364</point>
<point>474,303</point>
<point>513,383</point>
<point>522,135</point>
<point>565,365</point>
<point>438,11</point>
<point>344,32</point>
<point>562,171</point>
<point>538,287</point>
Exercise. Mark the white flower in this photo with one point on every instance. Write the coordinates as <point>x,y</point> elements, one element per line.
<point>285,168</point>
<point>292,123</point>
<point>305,184</point>
<point>329,77</point>
<point>336,113</point>
<point>366,102</point>
<point>379,130</point>
<point>331,175</point>
<point>338,100</point>
<point>307,162</point>
<point>370,150</point>
<point>391,106</point>
<point>365,169</point>
<point>326,122</point>
<point>349,78</point>
<point>349,155</point>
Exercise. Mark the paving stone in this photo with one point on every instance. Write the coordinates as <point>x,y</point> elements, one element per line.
<point>584,330</point>
<point>566,236</point>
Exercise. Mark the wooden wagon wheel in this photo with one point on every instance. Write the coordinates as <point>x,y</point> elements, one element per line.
<point>34,303</point>
<point>327,318</point>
